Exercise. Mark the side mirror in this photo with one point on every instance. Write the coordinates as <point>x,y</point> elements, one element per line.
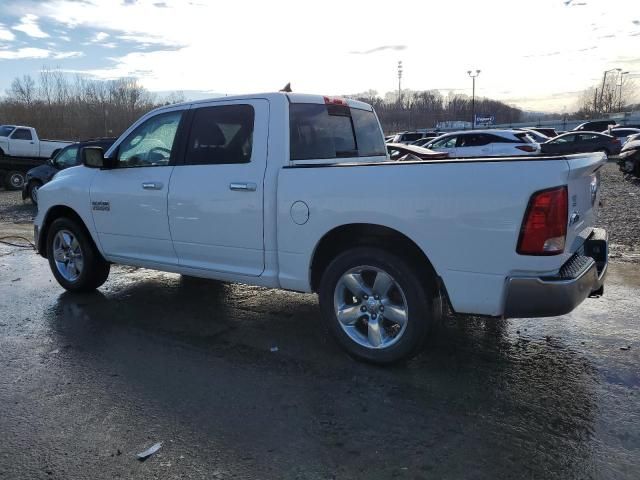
<point>93,157</point>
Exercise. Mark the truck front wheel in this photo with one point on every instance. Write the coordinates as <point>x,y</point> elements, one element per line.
<point>74,260</point>
<point>378,306</point>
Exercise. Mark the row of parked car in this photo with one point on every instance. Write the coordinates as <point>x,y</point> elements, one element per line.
<point>509,142</point>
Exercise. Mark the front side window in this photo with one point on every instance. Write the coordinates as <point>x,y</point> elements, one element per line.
<point>221,135</point>
<point>473,140</point>
<point>22,134</point>
<point>447,142</point>
<point>67,158</point>
<point>565,139</point>
<point>151,143</point>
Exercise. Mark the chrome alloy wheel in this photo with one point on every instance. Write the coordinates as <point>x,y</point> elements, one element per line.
<point>67,254</point>
<point>370,306</point>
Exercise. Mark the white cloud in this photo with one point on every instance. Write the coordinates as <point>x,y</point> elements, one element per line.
<point>30,52</point>
<point>61,55</point>
<point>100,36</point>
<point>29,25</point>
<point>27,52</point>
<point>6,34</point>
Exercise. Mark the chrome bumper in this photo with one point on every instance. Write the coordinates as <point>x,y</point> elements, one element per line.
<point>583,275</point>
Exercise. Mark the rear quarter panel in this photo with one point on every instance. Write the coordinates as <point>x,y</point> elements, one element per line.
<point>465,216</point>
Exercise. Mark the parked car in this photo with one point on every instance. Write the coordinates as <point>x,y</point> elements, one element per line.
<point>402,152</point>
<point>622,134</point>
<point>297,192</point>
<point>69,156</point>
<point>581,142</point>
<point>629,158</point>
<point>594,126</point>
<point>633,138</point>
<point>548,132</point>
<point>19,141</point>
<point>485,143</point>
<point>407,137</point>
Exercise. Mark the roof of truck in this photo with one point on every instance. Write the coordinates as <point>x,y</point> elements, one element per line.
<point>291,97</point>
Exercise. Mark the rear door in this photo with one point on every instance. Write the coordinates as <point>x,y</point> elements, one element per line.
<point>474,145</point>
<point>216,196</point>
<point>22,143</point>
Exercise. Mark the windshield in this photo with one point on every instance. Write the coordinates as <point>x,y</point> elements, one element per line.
<point>5,130</point>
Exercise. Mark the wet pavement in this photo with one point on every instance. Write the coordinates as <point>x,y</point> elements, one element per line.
<point>90,380</point>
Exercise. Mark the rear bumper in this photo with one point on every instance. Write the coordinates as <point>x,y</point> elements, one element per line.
<point>583,275</point>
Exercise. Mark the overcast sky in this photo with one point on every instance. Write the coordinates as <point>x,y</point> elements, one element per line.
<point>535,54</point>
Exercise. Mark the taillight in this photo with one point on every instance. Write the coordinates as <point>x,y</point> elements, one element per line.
<point>544,228</point>
<point>335,101</point>
<point>526,148</point>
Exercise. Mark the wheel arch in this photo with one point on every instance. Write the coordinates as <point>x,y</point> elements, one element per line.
<point>353,235</point>
<point>55,212</point>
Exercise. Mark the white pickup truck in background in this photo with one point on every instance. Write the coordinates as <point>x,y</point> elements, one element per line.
<point>297,192</point>
<point>19,141</point>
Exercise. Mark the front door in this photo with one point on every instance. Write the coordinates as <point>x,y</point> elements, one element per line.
<point>129,202</point>
<point>216,196</point>
<point>22,143</point>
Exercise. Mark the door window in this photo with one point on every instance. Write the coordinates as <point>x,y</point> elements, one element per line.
<point>67,158</point>
<point>473,140</point>
<point>448,142</point>
<point>565,139</point>
<point>22,134</point>
<point>589,136</point>
<point>151,143</point>
<point>221,135</point>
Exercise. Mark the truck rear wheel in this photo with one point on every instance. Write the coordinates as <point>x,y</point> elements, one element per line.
<point>75,261</point>
<point>377,305</point>
<point>14,180</point>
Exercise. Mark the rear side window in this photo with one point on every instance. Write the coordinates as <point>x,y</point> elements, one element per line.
<point>368,136</point>
<point>5,130</point>
<point>221,135</point>
<point>411,137</point>
<point>22,134</point>
<point>332,131</point>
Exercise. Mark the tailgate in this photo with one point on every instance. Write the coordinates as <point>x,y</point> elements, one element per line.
<point>584,196</point>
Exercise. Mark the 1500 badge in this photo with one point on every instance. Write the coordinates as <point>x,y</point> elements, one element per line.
<point>101,206</point>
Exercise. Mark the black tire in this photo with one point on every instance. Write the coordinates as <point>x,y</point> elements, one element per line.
<point>14,180</point>
<point>32,191</point>
<point>423,305</point>
<point>636,168</point>
<point>95,269</point>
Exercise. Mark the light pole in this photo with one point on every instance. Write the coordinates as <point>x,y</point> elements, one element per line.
<point>622,74</point>
<point>604,79</point>
<point>473,96</point>
<point>399,81</point>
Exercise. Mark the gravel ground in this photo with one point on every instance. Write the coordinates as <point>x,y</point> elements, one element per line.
<point>619,214</point>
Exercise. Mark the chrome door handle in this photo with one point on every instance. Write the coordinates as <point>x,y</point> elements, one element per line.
<point>244,187</point>
<point>152,185</point>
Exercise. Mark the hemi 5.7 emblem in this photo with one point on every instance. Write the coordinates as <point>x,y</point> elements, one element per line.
<point>101,206</point>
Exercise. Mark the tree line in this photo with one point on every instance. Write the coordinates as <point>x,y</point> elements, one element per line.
<point>75,108</point>
<point>425,109</point>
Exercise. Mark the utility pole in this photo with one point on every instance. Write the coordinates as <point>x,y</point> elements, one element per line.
<point>622,74</point>
<point>604,79</point>
<point>473,97</point>
<point>400,81</point>
<point>595,102</point>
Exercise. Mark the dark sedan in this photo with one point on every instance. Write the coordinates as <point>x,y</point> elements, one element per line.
<point>581,142</point>
<point>69,156</point>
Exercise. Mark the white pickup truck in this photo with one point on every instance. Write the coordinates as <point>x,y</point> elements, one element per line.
<point>19,141</point>
<point>297,192</point>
